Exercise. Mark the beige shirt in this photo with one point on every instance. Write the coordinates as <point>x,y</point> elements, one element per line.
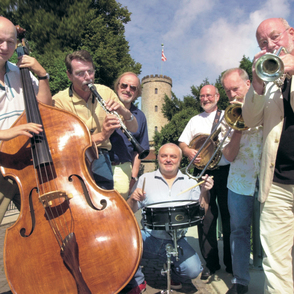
<point>92,114</point>
<point>267,110</point>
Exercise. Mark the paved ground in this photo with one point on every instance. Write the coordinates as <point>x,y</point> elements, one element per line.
<point>217,284</point>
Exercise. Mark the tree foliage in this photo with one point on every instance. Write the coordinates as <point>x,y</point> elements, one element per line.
<point>56,28</point>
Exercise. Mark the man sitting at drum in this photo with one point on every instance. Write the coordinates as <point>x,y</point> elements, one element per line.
<point>168,184</point>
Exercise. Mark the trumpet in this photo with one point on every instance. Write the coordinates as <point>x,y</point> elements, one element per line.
<point>270,67</point>
<point>233,117</point>
<point>138,148</point>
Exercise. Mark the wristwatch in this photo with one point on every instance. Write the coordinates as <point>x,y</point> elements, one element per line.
<point>44,77</point>
<point>135,178</point>
<point>132,117</point>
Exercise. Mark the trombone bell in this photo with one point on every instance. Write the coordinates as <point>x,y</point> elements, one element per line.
<point>233,117</point>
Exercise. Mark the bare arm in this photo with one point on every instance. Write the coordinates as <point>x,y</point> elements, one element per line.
<point>232,149</point>
<point>135,171</point>
<point>25,129</point>
<point>137,195</point>
<point>205,194</point>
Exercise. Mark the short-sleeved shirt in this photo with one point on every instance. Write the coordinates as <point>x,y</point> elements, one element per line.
<point>202,124</point>
<point>244,170</point>
<point>122,149</point>
<point>11,96</point>
<point>91,112</point>
<point>157,190</point>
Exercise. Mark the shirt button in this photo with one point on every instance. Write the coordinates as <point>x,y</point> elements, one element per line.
<point>276,141</point>
<point>272,165</point>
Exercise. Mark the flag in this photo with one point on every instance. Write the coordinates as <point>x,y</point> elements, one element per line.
<point>163,58</point>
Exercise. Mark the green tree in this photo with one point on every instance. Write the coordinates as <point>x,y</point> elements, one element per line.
<point>246,64</point>
<point>55,28</point>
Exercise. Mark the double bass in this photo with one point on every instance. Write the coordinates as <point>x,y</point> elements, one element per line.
<point>70,236</point>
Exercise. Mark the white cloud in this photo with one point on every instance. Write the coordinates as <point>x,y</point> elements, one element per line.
<point>201,38</point>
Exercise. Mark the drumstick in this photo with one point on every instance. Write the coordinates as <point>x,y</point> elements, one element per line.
<point>193,187</point>
<point>143,185</point>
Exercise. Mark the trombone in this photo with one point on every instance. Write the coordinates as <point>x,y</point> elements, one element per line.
<point>233,117</point>
<point>270,67</point>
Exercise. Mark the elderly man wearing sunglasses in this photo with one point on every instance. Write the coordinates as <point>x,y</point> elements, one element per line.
<point>124,159</point>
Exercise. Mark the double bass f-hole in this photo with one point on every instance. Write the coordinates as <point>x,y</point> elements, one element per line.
<point>50,197</point>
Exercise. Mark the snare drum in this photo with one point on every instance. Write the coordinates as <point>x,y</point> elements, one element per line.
<point>172,215</point>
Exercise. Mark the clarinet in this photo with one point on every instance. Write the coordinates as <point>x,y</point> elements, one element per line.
<point>138,148</point>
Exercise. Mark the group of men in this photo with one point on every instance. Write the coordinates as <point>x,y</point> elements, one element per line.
<point>261,151</point>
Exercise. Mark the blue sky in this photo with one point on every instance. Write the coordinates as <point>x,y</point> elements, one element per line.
<point>201,38</point>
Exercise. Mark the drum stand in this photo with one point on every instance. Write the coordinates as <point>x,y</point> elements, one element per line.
<point>170,250</point>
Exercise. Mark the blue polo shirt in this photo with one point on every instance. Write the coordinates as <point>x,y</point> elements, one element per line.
<point>122,149</point>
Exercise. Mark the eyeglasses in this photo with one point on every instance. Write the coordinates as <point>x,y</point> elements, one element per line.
<point>124,86</point>
<point>274,38</point>
<point>209,96</point>
<point>82,73</point>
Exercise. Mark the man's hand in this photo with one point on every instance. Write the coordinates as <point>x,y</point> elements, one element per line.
<point>190,153</point>
<point>110,124</point>
<point>32,64</point>
<point>208,184</point>
<point>257,83</point>
<point>25,129</point>
<point>138,195</point>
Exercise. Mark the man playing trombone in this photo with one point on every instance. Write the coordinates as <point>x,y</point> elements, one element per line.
<point>204,123</point>
<point>272,106</point>
<point>244,152</point>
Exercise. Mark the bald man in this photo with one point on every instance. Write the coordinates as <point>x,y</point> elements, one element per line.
<point>271,105</point>
<point>12,102</point>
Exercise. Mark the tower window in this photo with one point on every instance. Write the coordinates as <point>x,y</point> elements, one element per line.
<point>156,108</point>
<point>156,130</point>
<point>156,90</point>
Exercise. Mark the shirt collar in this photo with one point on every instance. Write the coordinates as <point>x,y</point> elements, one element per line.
<point>158,174</point>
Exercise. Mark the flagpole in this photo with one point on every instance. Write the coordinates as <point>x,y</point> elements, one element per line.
<point>161,59</point>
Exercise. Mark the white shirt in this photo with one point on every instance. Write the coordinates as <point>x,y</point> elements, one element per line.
<point>202,124</point>
<point>11,97</point>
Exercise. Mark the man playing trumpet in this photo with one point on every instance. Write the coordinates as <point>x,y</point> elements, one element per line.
<point>272,106</point>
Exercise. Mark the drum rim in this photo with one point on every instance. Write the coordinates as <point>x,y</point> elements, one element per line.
<point>172,201</point>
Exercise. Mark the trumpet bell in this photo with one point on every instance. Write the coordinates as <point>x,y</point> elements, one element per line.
<point>233,117</point>
<point>269,67</point>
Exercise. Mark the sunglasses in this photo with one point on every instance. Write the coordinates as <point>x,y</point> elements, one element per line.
<point>124,86</point>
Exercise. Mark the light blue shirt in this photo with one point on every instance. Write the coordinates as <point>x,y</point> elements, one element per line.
<point>157,190</point>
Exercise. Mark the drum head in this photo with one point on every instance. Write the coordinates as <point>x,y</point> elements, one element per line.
<point>172,215</point>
